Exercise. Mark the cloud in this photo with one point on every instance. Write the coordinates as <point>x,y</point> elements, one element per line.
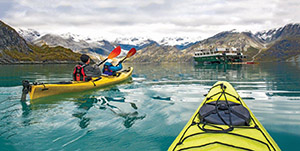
<point>5,5</point>
<point>156,18</point>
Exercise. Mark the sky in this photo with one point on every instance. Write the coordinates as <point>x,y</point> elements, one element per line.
<point>153,19</point>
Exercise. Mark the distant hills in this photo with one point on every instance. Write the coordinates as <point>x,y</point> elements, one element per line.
<point>14,49</point>
<point>78,42</point>
<point>282,44</point>
<point>269,36</point>
<point>285,49</point>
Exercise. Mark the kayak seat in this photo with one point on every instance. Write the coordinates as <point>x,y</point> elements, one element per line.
<point>64,82</point>
<point>117,75</point>
<point>222,113</point>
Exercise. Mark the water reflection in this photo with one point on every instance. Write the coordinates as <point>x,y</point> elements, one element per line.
<point>26,113</point>
<point>16,73</point>
<point>83,106</point>
<point>8,114</point>
<point>102,103</point>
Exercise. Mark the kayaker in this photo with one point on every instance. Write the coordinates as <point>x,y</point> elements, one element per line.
<point>109,69</point>
<point>84,71</point>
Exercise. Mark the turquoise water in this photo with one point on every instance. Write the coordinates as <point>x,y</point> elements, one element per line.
<point>146,113</point>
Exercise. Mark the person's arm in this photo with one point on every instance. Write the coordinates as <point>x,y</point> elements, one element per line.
<point>116,68</point>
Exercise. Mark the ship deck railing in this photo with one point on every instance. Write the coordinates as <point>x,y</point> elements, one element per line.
<point>215,54</point>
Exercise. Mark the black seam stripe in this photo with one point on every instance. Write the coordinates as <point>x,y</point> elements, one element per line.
<point>217,143</point>
<point>230,134</point>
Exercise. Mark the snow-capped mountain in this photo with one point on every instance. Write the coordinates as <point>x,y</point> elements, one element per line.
<point>142,42</point>
<point>284,38</point>
<point>78,38</point>
<point>14,48</point>
<point>29,34</point>
<point>172,41</point>
<point>179,42</point>
<point>134,42</point>
<point>75,43</point>
<point>227,39</point>
<point>137,41</point>
<point>268,36</point>
<point>78,42</point>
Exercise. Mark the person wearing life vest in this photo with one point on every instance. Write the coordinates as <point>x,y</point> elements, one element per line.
<point>84,71</point>
<point>109,69</point>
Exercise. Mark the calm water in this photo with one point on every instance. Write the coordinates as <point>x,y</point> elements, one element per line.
<point>145,114</point>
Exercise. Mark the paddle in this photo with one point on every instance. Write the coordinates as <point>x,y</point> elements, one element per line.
<point>113,54</point>
<point>130,53</point>
<point>25,90</point>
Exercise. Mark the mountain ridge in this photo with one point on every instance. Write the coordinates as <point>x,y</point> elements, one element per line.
<point>258,44</point>
<point>14,49</point>
<point>127,43</point>
<point>271,35</point>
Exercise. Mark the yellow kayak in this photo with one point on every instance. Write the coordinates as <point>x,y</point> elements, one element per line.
<point>43,90</point>
<point>223,122</point>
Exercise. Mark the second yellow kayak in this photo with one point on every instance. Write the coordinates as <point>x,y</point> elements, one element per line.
<point>43,90</point>
<point>223,122</point>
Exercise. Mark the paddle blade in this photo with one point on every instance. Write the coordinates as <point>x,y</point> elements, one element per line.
<point>114,53</point>
<point>131,52</point>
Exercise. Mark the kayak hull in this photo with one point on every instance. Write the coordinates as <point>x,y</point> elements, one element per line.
<point>200,135</point>
<point>45,90</point>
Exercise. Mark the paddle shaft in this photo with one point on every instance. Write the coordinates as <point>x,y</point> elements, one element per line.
<point>122,60</point>
<point>131,52</point>
<point>113,54</point>
<point>102,62</point>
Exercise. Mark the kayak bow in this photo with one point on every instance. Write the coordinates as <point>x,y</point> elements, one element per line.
<point>223,122</point>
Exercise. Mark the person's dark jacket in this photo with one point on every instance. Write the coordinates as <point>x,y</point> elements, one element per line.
<point>92,70</point>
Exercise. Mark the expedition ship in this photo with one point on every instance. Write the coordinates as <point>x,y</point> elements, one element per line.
<point>219,55</point>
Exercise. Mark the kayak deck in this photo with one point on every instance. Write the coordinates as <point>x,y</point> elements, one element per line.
<point>44,90</point>
<point>221,123</point>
